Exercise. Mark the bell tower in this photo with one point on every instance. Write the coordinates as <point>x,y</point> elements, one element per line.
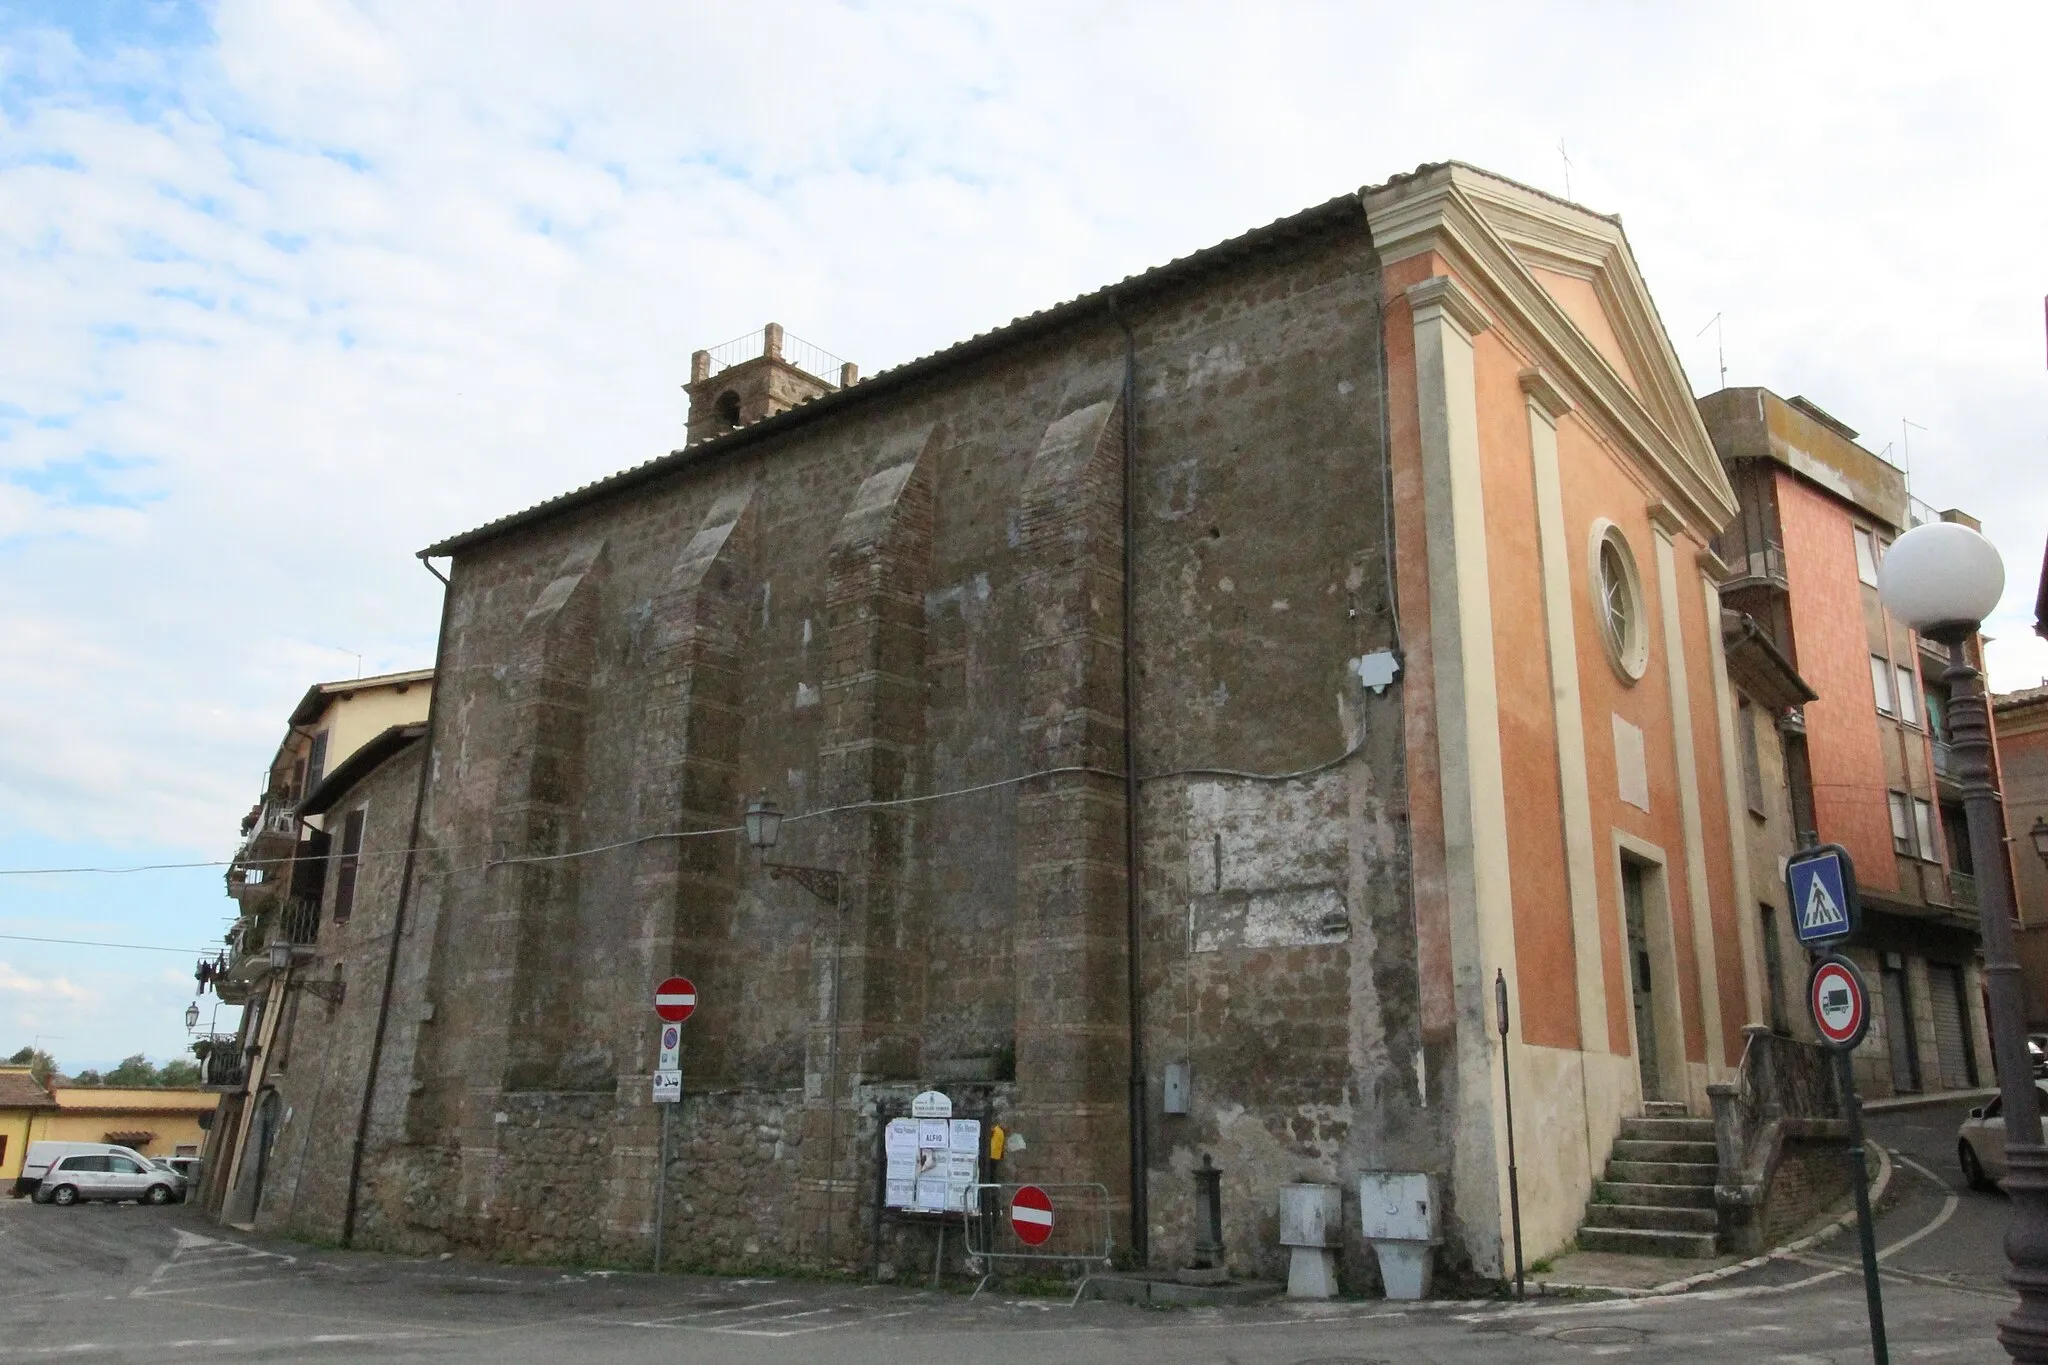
<point>758,375</point>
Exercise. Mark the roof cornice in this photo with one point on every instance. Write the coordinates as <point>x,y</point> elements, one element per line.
<point>1480,225</point>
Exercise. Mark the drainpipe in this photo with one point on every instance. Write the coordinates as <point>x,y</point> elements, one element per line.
<point>1134,917</point>
<point>405,881</point>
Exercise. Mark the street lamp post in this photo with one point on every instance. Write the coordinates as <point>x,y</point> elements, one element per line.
<point>1942,579</point>
<point>763,824</point>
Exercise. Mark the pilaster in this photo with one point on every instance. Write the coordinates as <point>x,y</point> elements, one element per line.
<point>1072,1006</point>
<point>531,905</point>
<point>871,950</point>
<point>1446,322</point>
<point>1699,902</point>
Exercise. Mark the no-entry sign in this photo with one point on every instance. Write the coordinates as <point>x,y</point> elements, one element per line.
<point>1031,1215</point>
<point>1841,1006</point>
<point>675,999</point>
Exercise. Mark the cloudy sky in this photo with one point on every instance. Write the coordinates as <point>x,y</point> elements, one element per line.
<point>291,288</point>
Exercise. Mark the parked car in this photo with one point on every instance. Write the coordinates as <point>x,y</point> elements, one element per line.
<point>186,1167</point>
<point>35,1162</point>
<point>110,1176</point>
<point>2037,1053</point>
<point>1980,1141</point>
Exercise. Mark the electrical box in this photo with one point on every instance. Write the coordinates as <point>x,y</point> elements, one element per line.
<point>1397,1205</point>
<point>1178,1086</point>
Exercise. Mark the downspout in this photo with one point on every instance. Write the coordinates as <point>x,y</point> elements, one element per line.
<point>405,881</point>
<point>1133,911</point>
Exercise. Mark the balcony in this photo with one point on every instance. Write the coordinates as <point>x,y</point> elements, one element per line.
<point>1944,761</point>
<point>294,921</point>
<point>1962,890</point>
<point>298,922</point>
<point>223,1067</point>
<point>1761,563</point>
<point>270,835</point>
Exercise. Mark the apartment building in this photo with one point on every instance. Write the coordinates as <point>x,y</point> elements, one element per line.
<point>279,879</point>
<point>1867,759</point>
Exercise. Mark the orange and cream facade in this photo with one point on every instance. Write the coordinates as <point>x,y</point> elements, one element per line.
<point>1571,745</point>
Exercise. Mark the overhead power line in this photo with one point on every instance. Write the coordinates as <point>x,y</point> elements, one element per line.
<point>95,943</point>
<point>1237,774</point>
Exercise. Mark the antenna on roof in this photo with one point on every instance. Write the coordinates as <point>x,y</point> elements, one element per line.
<point>337,649</point>
<point>1720,347</point>
<point>1906,428</point>
<point>1567,168</point>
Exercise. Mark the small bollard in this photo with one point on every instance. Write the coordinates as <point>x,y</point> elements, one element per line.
<point>1208,1266</point>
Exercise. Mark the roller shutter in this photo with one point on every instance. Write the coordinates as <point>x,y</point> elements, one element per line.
<point>1951,1025</point>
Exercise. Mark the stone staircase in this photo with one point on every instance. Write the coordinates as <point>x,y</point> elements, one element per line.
<point>1658,1197</point>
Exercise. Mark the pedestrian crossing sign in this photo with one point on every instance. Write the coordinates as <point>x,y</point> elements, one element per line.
<point>1822,885</point>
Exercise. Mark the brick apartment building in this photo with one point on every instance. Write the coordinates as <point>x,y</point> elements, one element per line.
<point>1228,671</point>
<point>2021,720</point>
<point>1866,760</point>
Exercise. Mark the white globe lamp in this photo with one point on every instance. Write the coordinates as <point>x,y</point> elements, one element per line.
<point>1941,579</point>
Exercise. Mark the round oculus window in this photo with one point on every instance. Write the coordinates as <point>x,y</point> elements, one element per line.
<point>1618,598</point>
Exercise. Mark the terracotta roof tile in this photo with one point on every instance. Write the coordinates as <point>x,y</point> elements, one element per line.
<point>18,1090</point>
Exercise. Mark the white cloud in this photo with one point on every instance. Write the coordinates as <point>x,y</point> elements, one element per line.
<point>41,987</point>
<point>343,279</point>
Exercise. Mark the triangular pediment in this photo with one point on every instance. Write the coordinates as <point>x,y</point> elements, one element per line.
<point>1565,283</point>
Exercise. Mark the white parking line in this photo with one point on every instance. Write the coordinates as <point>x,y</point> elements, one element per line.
<point>216,1344</point>
<point>804,1331</point>
<point>739,1320</point>
<point>199,1262</point>
<point>684,1319</point>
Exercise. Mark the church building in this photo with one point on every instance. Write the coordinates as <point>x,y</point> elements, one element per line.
<point>1181,704</point>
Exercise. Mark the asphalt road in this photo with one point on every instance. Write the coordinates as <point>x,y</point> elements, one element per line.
<point>100,1283</point>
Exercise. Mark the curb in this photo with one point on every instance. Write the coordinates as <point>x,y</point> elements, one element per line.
<point>1706,1277</point>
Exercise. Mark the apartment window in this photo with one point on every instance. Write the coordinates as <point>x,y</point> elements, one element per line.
<point>1881,684</point>
<point>316,761</point>
<point>1752,767</point>
<point>1902,823</point>
<point>1866,556</point>
<point>1909,696</point>
<point>1956,826</point>
<point>1923,829</point>
<point>345,870</point>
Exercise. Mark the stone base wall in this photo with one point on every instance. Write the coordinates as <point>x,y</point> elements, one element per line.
<point>1812,1173</point>
<point>734,1164</point>
<point>571,1180</point>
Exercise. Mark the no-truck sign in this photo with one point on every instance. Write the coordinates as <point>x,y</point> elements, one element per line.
<point>1031,1215</point>
<point>1841,1006</point>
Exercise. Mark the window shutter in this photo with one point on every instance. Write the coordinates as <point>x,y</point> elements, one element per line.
<point>345,875</point>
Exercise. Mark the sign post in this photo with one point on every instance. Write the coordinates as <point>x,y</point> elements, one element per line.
<point>1821,882</point>
<point>674,1001</point>
<point>1841,1013</point>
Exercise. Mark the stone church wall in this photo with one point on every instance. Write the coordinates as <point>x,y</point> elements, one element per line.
<point>914,594</point>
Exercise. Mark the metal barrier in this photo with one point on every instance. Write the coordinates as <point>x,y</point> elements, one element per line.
<point>1080,1232</point>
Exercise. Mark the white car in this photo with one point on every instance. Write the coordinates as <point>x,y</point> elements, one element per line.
<point>1980,1142</point>
<point>75,1179</point>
